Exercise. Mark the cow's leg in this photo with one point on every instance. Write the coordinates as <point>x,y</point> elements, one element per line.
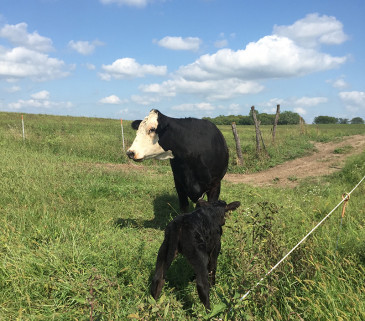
<point>213,193</point>
<point>199,262</point>
<point>177,170</point>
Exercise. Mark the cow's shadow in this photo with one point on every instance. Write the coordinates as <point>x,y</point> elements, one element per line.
<point>165,208</point>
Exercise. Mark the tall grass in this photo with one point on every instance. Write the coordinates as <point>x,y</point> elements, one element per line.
<point>79,240</point>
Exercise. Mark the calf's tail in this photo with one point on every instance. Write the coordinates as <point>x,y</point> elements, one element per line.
<point>166,254</point>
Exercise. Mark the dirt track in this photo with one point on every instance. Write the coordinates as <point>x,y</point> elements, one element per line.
<point>322,162</point>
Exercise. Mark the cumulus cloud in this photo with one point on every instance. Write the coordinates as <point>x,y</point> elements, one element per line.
<point>300,111</point>
<point>179,43</point>
<point>12,89</point>
<point>131,3</point>
<point>18,35</point>
<point>314,30</point>
<point>129,68</point>
<point>41,95</point>
<point>192,107</point>
<point>299,105</point>
<point>291,51</point>
<point>270,57</point>
<point>21,62</point>
<point>354,100</point>
<point>339,83</point>
<point>145,100</point>
<point>113,100</point>
<point>214,89</point>
<point>39,100</point>
<point>84,47</point>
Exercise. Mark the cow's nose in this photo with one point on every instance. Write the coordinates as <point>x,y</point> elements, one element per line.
<point>130,154</point>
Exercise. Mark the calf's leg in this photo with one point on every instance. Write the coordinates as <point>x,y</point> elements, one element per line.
<point>213,260</point>
<point>199,262</point>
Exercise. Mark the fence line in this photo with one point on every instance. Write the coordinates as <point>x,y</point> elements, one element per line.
<point>300,242</point>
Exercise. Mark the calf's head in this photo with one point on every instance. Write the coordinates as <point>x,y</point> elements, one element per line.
<point>146,144</point>
<point>222,205</point>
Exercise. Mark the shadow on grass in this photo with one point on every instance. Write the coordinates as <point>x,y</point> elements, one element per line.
<point>166,207</point>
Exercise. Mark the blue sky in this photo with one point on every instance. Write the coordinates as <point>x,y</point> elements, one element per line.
<point>121,58</point>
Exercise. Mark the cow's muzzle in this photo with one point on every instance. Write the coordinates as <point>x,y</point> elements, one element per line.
<point>130,154</point>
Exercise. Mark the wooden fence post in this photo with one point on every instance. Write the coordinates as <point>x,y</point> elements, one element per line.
<point>258,148</point>
<point>275,122</point>
<point>238,144</point>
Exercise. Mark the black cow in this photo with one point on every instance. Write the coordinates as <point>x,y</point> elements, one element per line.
<point>196,148</point>
<point>197,236</point>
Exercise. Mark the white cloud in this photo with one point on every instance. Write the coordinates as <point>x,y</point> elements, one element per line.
<point>309,101</point>
<point>90,66</point>
<point>12,89</point>
<point>113,100</point>
<point>19,36</point>
<point>221,43</point>
<point>299,105</point>
<point>85,47</point>
<point>179,43</point>
<point>339,83</point>
<point>192,107</point>
<point>354,100</point>
<point>211,89</point>
<point>129,68</point>
<point>146,100</point>
<point>270,57</point>
<point>131,3</point>
<point>300,111</point>
<point>22,62</point>
<point>42,95</point>
<point>39,100</point>
<point>289,52</point>
<point>314,30</point>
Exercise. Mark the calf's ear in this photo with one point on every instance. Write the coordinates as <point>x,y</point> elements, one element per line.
<point>135,124</point>
<point>232,206</point>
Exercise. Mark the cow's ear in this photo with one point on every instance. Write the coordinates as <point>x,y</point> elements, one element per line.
<point>135,124</point>
<point>232,206</point>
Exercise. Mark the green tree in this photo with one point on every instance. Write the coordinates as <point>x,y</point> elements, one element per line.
<point>357,120</point>
<point>343,121</point>
<point>325,120</point>
<point>289,118</point>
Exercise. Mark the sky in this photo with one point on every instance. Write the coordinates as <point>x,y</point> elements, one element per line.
<point>186,58</point>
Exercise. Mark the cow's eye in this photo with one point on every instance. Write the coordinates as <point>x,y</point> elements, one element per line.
<point>152,130</point>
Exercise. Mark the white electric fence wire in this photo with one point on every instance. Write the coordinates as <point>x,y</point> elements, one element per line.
<point>304,238</point>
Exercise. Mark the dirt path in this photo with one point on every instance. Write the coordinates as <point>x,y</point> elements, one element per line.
<point>322,162</point>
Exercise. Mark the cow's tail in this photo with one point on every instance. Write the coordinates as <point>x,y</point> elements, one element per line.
<point>166,254</point>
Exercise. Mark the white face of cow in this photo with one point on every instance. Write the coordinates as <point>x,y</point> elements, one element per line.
<point>146,145</point>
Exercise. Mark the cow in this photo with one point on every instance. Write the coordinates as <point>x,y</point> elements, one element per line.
<point>197,236</point>
<point>196,149</point>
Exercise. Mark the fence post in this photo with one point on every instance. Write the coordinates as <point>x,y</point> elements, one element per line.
<point>238,144</point>
<point>275,122</point>
<point>121,126</point>
<point>23,128</point>
<point>258,148</point>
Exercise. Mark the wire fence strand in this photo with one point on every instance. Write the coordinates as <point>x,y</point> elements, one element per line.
<point>300,242</point>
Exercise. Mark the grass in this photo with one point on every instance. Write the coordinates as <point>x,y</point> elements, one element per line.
<point>80,239</point>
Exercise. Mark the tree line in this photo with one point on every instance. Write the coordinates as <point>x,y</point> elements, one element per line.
<point>286,118</point>
<point>334,120</point>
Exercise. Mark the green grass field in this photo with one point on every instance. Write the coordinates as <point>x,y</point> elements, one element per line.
<point>79,237</point>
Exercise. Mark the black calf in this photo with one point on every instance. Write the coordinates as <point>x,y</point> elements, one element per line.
<point>197,236</point>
